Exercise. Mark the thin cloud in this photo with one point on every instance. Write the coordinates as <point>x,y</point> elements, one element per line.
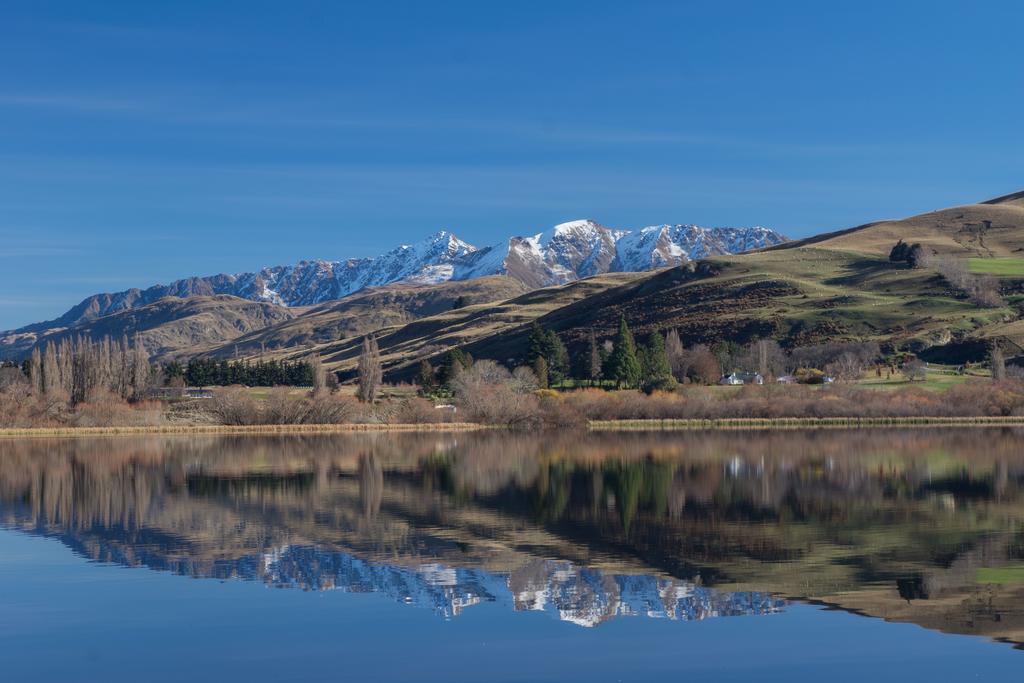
<point>200,112</point>
<point>29,251</point>
<point>70,102</point>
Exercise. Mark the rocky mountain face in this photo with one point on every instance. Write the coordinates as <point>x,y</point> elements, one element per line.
<point>567,252</point>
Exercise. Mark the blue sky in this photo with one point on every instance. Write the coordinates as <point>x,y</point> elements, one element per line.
<point>142,142</point>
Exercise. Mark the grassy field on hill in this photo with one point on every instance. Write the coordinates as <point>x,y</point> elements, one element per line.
<point>1007,267</point>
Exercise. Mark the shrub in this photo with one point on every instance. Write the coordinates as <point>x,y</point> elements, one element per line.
<point>419,411</point>
<point>234,406</point>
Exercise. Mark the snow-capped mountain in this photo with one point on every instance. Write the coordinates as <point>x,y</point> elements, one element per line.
<point>566,252</point>
<point>567,592</point>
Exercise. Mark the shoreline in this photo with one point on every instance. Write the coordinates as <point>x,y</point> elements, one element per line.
<point>200,430</point>
<point>668,424</point>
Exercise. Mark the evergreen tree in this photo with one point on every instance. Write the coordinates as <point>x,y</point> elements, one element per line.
<point>655,365</point>
<point>538,343</point>
<point>173,370</point>
<point>899,252</point>
<point>548,345</point>
<point>455,362</point>
<point>623,365</point>
<point>558,358</point>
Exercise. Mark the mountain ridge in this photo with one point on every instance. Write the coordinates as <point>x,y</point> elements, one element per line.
<point>561,254</point>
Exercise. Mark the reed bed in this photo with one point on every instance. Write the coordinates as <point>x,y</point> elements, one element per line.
<point>803,422</point>
<point>241,429</point>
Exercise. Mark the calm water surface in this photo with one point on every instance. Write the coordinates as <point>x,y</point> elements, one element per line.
<point>888,555</point>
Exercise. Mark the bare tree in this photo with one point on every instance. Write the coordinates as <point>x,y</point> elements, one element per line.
<point>998,364</point>
<point>848,367</point>
<point>594,365</point>
<point>319,375</point>
<point>915,370</point>
<point>140,368</point>
<point>490,394</point>
<point>768,357</point>
<point>524,381</point>
<point>676,354</point>
<point>370,373</point>
<point>64,356</point>
<point>51,371</point>
<point>35,370</point>
<point>982,290</point>
<point>704,365</point>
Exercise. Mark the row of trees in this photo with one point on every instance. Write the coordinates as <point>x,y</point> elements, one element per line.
<point>620,361</point>
<point>662,360</point>
<point>78,367</point>
<point>204,372</point>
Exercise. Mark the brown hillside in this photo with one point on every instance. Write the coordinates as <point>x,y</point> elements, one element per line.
<point>369,310</point>
<point>402,346</point>
<point>994,228</point>
<point>172,327</point>
<point>839,287</point>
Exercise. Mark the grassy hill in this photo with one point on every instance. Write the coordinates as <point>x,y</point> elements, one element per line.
<point>169,327</point>
<point>367,311</point>
<point>403,345</point>
<point>837,286</point>
<point>834,287</point>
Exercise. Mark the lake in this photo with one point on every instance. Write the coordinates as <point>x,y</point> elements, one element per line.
<point>852,555</point>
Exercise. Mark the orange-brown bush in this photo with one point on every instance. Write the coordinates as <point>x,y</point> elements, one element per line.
<point>419,411</point>
<point>22,406</point>
<point>982,399</point>
<point>236,406</point>
<point>107,409</point>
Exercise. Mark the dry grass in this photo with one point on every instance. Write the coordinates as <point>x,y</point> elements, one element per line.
<point>241,429</point>
<point>804,422</point>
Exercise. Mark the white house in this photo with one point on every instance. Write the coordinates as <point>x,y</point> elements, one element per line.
<point>737,378</point>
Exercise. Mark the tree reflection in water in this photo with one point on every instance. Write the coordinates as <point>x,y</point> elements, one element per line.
<point>910,525</point>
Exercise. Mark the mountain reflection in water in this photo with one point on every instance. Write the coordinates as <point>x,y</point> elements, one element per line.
<point>919,526</point>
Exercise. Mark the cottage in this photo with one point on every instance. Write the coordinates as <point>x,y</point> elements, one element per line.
<point>737,378</point>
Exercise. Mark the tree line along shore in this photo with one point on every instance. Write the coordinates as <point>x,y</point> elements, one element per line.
<point>83,383</point>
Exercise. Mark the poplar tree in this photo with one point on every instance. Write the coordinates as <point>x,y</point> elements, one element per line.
<point>140,368</point>
<point>540,369</point>
<point>51,370</point>
<point>426,378</point>
<point>35,370</point>
<point>319,375</point>
<point>369,370</point>
<point>594,360</point>
<point>998,364</point>
<point>675,353</point>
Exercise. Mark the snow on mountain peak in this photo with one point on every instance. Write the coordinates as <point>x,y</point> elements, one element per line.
<point>568,251</point>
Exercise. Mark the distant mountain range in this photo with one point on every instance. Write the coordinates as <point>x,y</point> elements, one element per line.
<point>424,299</point>
<point>564,253</point>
